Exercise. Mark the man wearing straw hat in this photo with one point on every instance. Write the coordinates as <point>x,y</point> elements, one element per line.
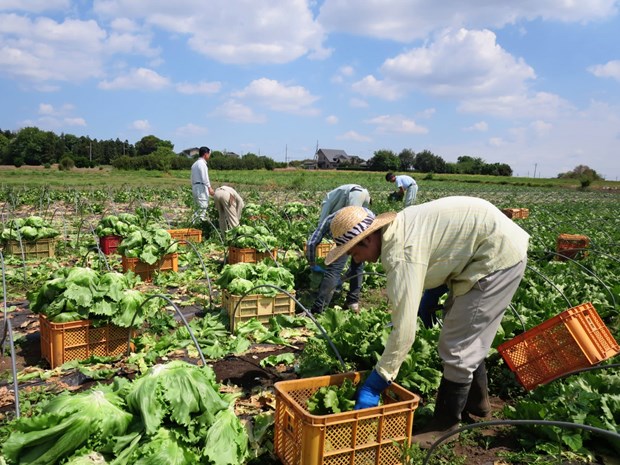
<point>342,196</point>
<point>469,245</point>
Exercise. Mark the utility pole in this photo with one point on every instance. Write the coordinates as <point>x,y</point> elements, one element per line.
<point>286,154</point>
<point>535,165</point>
<point>90,151</point>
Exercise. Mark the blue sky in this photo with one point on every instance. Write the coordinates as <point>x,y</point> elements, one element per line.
<point>535,84</point>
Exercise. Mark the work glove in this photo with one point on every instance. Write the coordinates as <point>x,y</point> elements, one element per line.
<point>317,269</point>
<point>370,392</point>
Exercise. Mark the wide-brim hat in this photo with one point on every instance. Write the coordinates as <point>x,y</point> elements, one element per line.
<point>352,224</point>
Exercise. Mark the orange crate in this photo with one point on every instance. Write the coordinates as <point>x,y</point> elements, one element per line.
<point>322,249</point>
<point>186,234</point>
<point>239,255</point>
<point>367,436</point>
<point>41,248</point>
<point>169,262</point>
<point>109,244</point>
<point>256,306</point>
<point>570,245</point>
<point>574,339</point>
<point>516,213</point>
<point>78,340</point>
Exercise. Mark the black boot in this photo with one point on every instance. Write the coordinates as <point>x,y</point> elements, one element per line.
<point>451,399</point>
<point>478,399</point>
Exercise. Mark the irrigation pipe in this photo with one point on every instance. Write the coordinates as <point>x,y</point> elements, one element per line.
<point>8,329</point>
<point>305,310</point>
<point>202,263</point>
<point>484,424</point>
<point>550,282</point>
<point>179,313</point>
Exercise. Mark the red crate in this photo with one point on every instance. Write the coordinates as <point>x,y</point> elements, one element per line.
<point>366,436</point>
<point>78,340</point>
<point>239,255</point>
<point>576,338</point>
<point>109,244</point>
<point>169,262</point>
<point>571,246</point>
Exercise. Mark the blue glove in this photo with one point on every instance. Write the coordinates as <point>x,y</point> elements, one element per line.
<point>370,392</point>
<point>317,269</point>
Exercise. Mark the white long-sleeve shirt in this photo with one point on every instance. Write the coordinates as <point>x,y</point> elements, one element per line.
<point>339,198</point>
<point>454,241</point>
<point>200,172</point>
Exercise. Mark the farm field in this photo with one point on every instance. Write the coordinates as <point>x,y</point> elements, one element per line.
<point>246,357</point>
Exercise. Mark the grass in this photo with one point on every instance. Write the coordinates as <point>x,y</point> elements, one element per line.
<point>294,180</point>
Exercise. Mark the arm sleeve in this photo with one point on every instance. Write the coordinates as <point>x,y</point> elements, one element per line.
<point>404,289</point>
<point>316,237</point>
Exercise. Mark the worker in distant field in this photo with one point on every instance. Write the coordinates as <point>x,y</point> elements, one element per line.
<point>201,186</point>
<point>342,196</point>
<point>405,187</point>
<point>465,243</point>
<point>229,206</point>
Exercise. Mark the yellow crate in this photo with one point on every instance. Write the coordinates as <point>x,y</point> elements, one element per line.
<point>576,338</point>
<point>240,255</point>
<point>169,262</point>
<point>367,436</point>
<point>256,306</point>
<point>41,248</point>
<point>78,340</point>
<point>186,234</point>
<point>322,249</point>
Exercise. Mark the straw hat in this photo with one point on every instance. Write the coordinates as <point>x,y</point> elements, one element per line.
<point>352,224</point>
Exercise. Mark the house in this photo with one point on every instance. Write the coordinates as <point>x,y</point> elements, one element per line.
<point>191,153</point>
<point>331,159</point>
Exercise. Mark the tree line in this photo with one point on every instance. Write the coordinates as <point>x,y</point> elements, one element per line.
<point>35,147</point>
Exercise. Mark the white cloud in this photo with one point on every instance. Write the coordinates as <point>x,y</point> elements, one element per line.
<point>371,87</point>
<point>137,79</point>
<point>480,126</point>
<point>541,105</point>
<point>141,125</point>
<point>191,129</point>
<point>237,112</point>
<point>35,6</point>
<point>611,69</point>
<point>46,109</point>
<point>358,103</point>
<point>406,21</point>
<point>396,124</point>
<point>354,136</point>
<point>75,122</point>
<point>202,87</point>
<point>496,142</point>
<point>279,97</point>
<point>331,119</point>
<point>42,49</point>
<point>232,31</point>
<point>427,113</point>
<point>541,128</point>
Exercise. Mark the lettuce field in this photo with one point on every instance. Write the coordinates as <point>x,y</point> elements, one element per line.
<point>185,331</point>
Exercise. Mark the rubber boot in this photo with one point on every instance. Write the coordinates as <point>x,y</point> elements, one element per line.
<point>451,399</point>
<point>478,399</point>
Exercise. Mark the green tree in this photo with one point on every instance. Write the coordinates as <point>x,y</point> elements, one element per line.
<point>149,144</point>
<point>427,162</point>
<point>582,172</point>
<point>31,146</point>
<point>407,159</point>
<point>384,160</point>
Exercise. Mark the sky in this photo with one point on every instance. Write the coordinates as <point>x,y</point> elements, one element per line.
<point>531,83</point>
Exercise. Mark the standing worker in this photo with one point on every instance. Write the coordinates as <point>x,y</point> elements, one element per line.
<point>406,185</point>
<point>201,186</point>
<point>345,195</point>
<point>229,206</point>
<point>464,242</point>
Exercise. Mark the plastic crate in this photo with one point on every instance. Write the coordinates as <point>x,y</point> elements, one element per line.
<point>41,248</point>
<point>78,340</point>
<point>239,255</point>
<point>109,244</point>
<point>169,262</point>
<point>571,246</point>
<point>186,234</point>
<point>366,436</point>
<point>322,249</point>
<point>516,213</point>
<point>256,306</point>
<point>574,339</point>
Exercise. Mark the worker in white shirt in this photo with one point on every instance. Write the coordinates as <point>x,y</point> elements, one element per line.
<point>229,206</point>
<point>201,186</point>
<point>406,187</point>
<point>465,243</point>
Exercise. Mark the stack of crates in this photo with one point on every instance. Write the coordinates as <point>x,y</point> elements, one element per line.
<point>109,244</point>
<point>576,338</point>
<point>169,262</point>
<point>41,248</point>
<point>374,435</point>
<point>516,213</point>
